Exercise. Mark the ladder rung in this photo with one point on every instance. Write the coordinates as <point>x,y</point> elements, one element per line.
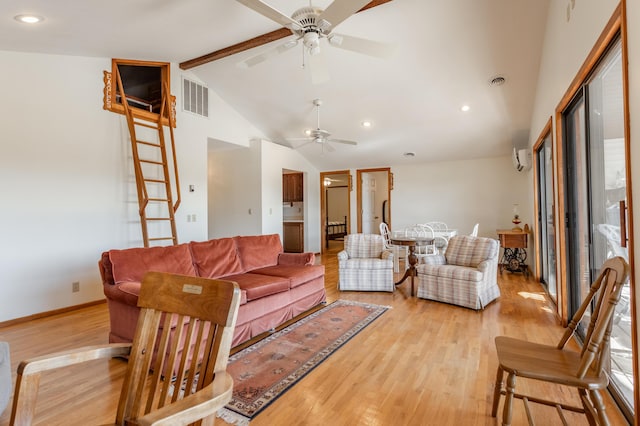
<point>162,238</point>
<point>157,145</point>
<point>165,200</point>
<point>155,180</point>
<point>138,123</point>
<point>160,218</point>
<point>152,162</point>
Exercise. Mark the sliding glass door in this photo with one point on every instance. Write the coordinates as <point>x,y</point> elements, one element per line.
<point>546,223</point>
<point>595,171</point>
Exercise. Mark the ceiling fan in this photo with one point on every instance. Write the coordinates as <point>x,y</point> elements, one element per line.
<point>321,136</point>
<point>312,24</point>
<point>254,42</point>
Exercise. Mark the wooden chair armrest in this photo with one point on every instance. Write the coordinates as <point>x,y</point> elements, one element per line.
<point>28,379</point>
<point>199,405</point>
<point>71,357</point>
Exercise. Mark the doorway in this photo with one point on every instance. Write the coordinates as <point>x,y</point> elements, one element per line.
<point>374,199</point>
<point>335,208</point>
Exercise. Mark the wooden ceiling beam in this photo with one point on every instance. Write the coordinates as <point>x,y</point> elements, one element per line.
<point>254,42</point>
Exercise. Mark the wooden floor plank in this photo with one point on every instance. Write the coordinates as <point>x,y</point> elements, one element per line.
<point>420,363</point>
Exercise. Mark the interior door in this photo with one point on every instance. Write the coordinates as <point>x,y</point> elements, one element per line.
<point>369,217</point>
<point>374,199</point>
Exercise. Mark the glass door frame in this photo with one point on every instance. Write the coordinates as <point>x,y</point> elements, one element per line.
<point>616,27</point>
<point>538,209</point>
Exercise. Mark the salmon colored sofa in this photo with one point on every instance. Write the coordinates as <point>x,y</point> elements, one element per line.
<point>275,286</point>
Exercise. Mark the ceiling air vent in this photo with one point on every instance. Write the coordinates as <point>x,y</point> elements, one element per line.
<point>497,81</point>
<point>195,97</point>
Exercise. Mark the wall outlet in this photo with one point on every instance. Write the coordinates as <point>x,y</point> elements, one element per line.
<point>75,286</point>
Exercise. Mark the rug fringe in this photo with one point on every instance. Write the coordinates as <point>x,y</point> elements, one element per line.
<point>232,417</point>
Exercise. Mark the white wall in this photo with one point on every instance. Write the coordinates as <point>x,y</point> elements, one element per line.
<point>66,178</point>
<point>243,179</point>
<point>461,194</point>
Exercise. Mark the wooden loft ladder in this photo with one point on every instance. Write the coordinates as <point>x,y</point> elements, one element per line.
<point>153,179</point>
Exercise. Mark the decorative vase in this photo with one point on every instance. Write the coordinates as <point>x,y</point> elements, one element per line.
<point>516,221</point>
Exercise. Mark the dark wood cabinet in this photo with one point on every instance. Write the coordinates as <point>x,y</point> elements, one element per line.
<point>292,187</point>
<point>293,237</point>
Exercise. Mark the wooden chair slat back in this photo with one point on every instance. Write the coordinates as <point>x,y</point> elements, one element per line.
<point>183,338</point>
<point>605,290</point>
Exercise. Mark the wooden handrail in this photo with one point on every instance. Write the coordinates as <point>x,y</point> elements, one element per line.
<point>143,197</point>
<point>167,104</point>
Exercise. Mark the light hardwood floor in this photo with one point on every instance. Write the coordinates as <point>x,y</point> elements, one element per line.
<point>420,363</point>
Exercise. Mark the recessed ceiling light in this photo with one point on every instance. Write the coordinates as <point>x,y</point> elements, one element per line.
<point>28,19</point>
<point>409,154</point>
<point>465,108</point>
<point>366,123</point>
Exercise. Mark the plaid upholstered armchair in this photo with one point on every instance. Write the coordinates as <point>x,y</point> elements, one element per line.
<point>364,264</point>
<point>466,275</point>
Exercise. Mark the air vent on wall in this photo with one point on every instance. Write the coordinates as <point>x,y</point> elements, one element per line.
<point>195,97</point>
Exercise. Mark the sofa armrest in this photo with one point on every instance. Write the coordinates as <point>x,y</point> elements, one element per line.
<point>436,259</point>
<point>484,266</point>
<point>387,254</point>
<point>307,258</point>
<point>342,255</point>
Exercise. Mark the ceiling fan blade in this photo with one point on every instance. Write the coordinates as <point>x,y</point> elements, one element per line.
<point>303,144</point>
<point>326,145</point>
<point>361,45</point>
<point>261,57</point>
<point>319,70</point>
<point>346,142</point>
<point>338,11</point>
<point>271,13</point>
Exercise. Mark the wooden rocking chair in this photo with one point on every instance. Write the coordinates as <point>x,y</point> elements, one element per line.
<point>202,313</point>
<point>583,370</point>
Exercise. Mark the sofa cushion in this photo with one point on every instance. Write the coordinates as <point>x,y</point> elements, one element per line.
<point>363,246</point>
<point>131,264</point>
<point>296,274</point>
<point>465,250</point>
<point>258,251</point>
<point>257,286</point>
<point>216,258</point>
<point>455,272</point>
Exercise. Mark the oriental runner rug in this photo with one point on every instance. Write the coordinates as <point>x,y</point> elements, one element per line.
<point>264,371</point>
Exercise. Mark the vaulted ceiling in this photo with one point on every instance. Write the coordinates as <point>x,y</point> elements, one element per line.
<point>445,54</point>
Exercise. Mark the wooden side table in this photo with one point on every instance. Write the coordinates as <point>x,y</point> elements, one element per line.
<point>514,255</point>
<point>412,243</point>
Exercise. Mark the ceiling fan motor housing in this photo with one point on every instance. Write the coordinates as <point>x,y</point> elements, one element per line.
<point>306,17</point>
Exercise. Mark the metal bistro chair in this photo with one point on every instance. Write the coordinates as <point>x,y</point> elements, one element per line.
<point>203,313</point>
<point>395,249</point>
<point>582,370</point>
